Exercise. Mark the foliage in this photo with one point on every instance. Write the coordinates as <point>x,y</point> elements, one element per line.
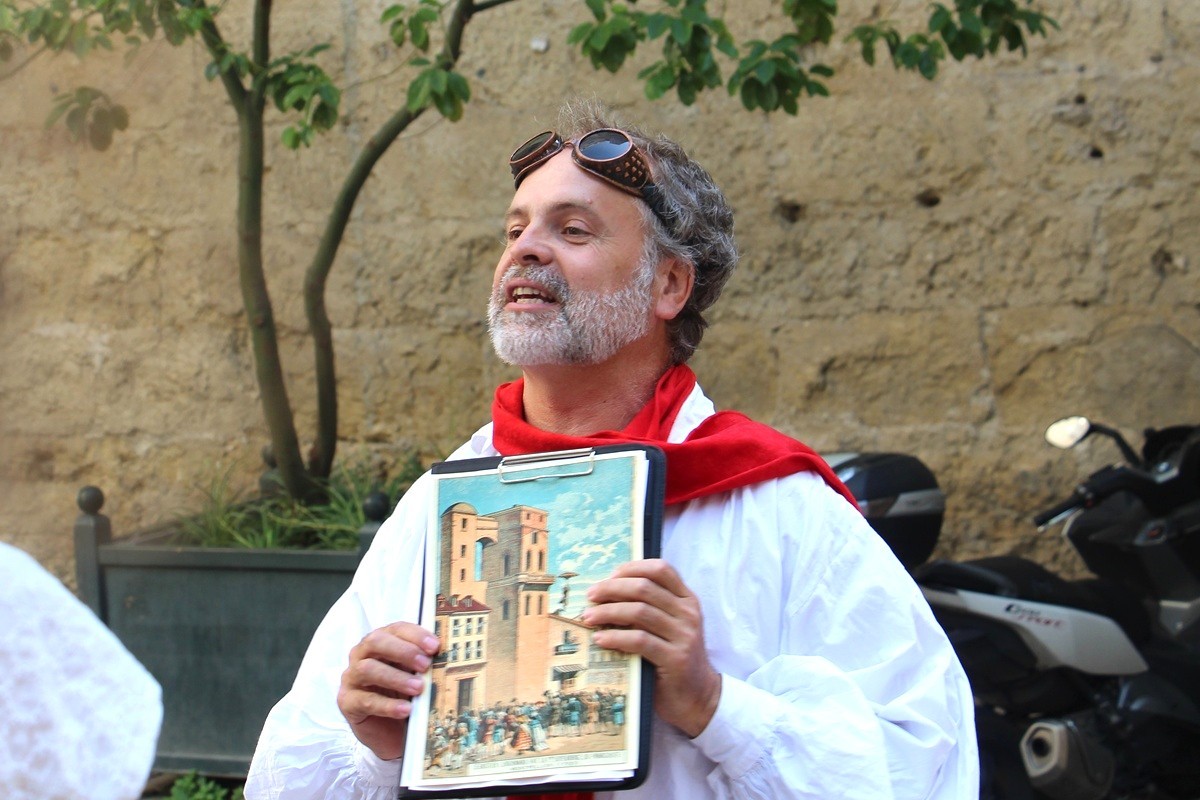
<point>774,75</point>
<point>226,519</point>
<point>196,787</point>
<point>694,41</point>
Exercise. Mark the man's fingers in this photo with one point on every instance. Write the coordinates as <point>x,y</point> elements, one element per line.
<point>407,646</point>
<point>370,673</point>
<point>636,642</point>
<point>633,589</point>
<point>657,571</point>
<point>641,616</point>
<point>357,705</point>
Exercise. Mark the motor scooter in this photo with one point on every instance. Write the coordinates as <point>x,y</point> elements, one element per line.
<point>1089,688</point>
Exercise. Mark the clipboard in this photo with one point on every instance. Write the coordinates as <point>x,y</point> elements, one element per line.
<point>519,700</point>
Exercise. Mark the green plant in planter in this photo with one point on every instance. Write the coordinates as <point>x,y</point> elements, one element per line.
<point>227,519</point>
<point>196,787</point>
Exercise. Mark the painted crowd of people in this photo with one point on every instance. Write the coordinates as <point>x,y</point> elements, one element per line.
<point>518,728</point>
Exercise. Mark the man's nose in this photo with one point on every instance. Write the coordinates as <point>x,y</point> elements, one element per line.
<point>530,247</point>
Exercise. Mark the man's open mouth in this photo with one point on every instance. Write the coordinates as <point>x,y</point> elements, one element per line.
<point>530,294</point>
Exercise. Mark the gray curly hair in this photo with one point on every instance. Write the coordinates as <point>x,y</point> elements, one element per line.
<point>701,221</point>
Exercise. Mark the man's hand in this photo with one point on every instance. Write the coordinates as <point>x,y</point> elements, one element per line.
<point>377,687</point>
<point>653,614</point>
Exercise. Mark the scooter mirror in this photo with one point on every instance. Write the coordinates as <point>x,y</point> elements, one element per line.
<point>1068,432</point>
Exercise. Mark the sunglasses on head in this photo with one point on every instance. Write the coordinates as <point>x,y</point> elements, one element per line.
<point>607,153</point>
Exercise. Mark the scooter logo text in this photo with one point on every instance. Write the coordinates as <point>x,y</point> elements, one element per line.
<point>1031,616</point>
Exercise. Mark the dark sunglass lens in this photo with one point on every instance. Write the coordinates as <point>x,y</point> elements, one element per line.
<point>532,146</point>
<point>604,145</point>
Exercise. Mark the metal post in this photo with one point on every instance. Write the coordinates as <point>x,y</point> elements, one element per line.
<point>92,529</point>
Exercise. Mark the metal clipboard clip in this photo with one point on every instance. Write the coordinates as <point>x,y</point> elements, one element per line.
<point>520,464</point>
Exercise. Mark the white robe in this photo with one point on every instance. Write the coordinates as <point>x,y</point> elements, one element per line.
<point>79,716</point>
<point>837,682</point>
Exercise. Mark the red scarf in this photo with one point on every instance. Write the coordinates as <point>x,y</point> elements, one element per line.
<point>726,451</point>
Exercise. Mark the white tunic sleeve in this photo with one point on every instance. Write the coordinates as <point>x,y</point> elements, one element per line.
<point>837,680</point>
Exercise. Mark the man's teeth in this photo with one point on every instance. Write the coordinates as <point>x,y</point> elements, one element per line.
<point>528,295</point>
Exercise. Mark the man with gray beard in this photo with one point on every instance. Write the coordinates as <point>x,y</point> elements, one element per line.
<point>794,656</point>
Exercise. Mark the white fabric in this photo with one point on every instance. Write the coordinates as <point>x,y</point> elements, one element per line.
<point>837,681</point>
<point>79,716</point>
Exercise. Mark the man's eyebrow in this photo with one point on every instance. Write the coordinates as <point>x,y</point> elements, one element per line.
<point>559,207</point>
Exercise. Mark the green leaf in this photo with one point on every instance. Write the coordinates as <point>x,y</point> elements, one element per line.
<point>418,92</point>
<point>419,33</point>
<point>291,139</point>
<point>656,25</point>
<point>580,32</point>
<point>927,66</point>
<point>940,19</point>
<point>597,9</point>
<point>297,97</point>
<point>748,96</point>
<point>459,87</point>
<point>972,23</point>
<point>681,32</point>
<point>391,12</point>
<point>769,97</point>
<point>695,15</point>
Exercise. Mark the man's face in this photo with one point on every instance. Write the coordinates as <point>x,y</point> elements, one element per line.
<point>572,286</point>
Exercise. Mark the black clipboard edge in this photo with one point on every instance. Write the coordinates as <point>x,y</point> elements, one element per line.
<point>656,490</point>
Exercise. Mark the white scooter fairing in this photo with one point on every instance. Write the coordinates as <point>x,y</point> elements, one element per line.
<point>1058,636</point>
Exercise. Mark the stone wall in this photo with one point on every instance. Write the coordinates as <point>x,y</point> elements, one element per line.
<point>935,268</point>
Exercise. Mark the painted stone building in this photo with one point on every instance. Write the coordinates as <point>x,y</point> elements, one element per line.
<point>502,637</point>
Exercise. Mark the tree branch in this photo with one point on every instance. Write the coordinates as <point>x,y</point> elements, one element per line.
<point>263,335</point>
<point>317,276</point>
<point>215,43</point>
<point>484,5</point>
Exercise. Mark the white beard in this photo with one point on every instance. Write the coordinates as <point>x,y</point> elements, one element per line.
<point>588,327</point>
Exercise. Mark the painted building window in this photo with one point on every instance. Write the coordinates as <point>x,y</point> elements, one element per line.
<point>504,614</point>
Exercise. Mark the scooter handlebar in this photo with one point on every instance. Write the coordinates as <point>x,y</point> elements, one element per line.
<point>1051,514</point>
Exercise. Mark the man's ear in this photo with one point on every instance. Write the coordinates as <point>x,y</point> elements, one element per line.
<point>674,286</point>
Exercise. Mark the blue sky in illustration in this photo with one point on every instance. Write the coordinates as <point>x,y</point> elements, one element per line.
<point>588,518</point>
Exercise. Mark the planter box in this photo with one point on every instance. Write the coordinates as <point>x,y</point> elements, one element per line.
<point>223,630</point>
